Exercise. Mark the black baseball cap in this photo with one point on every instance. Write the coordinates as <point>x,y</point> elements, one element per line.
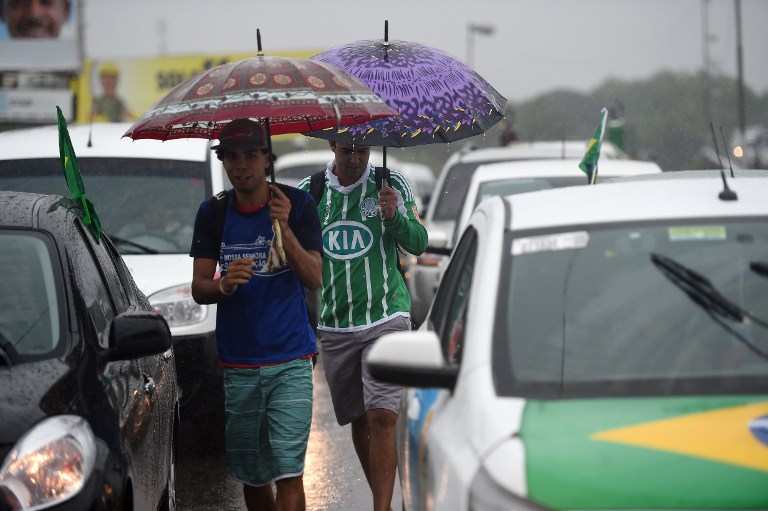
<point>242,133</point>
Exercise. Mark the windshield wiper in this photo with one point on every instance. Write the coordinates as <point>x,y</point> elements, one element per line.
<point>145,249</point>
<point>759,267</point>
<point>11,355</point>
<point>700,289</point>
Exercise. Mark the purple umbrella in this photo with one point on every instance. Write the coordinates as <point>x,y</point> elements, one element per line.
<point>439,98</point>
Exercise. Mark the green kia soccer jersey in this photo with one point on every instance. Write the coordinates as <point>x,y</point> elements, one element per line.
<point>361,283</point>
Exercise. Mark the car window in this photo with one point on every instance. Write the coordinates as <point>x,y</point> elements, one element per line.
<point>522,185</point>
<point>95,292</point>
<point>448,314</point>
<point>145,205</point>
<point>447,206</point>
<point>32,309</point>
<point>122,272</point>
<point>110,274</point>
<point>602,315</point>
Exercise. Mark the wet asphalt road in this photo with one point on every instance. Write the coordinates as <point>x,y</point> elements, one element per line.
<point>333,479</point>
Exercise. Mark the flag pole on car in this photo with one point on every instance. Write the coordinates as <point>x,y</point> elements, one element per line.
<point>588,163</point>
<point>74,180</point>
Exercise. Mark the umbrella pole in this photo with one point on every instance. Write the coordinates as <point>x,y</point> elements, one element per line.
<point>278,232</point>
<point>269,151</point>
<point>384,164</point>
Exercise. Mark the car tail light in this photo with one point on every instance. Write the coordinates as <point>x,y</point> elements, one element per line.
<point>429,259</point>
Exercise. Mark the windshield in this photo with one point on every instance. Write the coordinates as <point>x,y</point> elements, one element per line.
<point>146,206</point>
<point>593,313</point>
<point>31,313</point>
<point>522,185</point>
<point>447,205</point>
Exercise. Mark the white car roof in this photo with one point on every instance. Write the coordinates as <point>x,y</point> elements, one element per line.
<point>105,140</point>
<point>539,149</point>
<point>636,201</point>
<point>695,174</point>
<point>562,168</point>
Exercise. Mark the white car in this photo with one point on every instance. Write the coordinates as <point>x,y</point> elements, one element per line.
<point>593,347</point>
<point>146,194</point>
<point>466,183</point>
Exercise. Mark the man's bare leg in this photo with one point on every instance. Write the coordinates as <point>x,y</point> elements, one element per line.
<point>259,498</point>
<point>290,494</point>
<point>373,436</point>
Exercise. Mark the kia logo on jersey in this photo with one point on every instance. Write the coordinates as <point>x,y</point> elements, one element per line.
<point>346,240</point>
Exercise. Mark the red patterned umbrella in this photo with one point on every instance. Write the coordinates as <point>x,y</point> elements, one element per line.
<point>289,95</point>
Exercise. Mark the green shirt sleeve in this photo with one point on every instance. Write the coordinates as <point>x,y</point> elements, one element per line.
<point>407,230</point>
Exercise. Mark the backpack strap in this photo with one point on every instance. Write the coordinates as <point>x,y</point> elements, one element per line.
<point>316,185</point>
<point>219,212</point>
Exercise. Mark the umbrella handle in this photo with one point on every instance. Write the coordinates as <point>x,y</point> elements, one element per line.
<point>387,180</point>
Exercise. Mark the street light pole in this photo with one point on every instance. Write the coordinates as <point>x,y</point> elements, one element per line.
<point>472,29</point>
<point>740,69</point>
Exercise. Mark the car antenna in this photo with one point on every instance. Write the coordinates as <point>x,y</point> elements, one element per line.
<point>727,193</point>
<point>90,128</point>
<point>727,152</point>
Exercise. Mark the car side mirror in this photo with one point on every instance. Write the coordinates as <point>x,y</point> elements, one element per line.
<point>136,334</point>
<point>411,359</point>
<point>437,242</point>
<point>436,238</point>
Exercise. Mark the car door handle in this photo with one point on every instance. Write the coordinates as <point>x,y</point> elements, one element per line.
<point>149,386</point>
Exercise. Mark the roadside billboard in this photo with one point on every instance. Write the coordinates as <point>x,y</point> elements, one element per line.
<point>122,90</point>
<point>40,35</point>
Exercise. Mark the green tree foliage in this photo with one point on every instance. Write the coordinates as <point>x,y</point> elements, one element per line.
<point>666,117</point>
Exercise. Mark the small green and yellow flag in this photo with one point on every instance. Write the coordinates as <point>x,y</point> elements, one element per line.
<point>74,181</point>
<point>589,162</point>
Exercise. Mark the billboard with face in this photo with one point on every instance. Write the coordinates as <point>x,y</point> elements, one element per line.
<point>40,35</point>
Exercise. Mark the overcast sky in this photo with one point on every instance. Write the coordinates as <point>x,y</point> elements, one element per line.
<point>536,45</point>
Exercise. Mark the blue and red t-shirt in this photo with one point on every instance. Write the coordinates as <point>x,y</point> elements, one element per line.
<point>266,320</point>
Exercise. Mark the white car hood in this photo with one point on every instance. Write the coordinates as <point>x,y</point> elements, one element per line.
<point>156,272</point>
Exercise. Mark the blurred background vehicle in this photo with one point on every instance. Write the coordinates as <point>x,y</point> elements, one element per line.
<point>529,166</point>
<point>148,193</point>
<point>582,335</point>
<point>88,390</point>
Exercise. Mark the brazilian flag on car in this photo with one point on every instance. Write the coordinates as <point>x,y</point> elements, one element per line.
<point>74,181</point>
<point>589,162</point>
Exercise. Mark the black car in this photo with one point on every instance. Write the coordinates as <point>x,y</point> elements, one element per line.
<point>88,390</point>
<point>148,193</point>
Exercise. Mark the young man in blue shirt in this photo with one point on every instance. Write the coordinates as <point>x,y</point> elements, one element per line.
<point>265,340</point>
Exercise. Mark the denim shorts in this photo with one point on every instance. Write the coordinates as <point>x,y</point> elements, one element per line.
<point>268,416</point>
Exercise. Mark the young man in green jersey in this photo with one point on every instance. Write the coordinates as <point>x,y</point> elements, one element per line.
<point>363,297</point>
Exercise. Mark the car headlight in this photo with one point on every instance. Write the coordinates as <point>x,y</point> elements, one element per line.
<point>485,494</point>
<point>50,463</point>
<point>177,306</point>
